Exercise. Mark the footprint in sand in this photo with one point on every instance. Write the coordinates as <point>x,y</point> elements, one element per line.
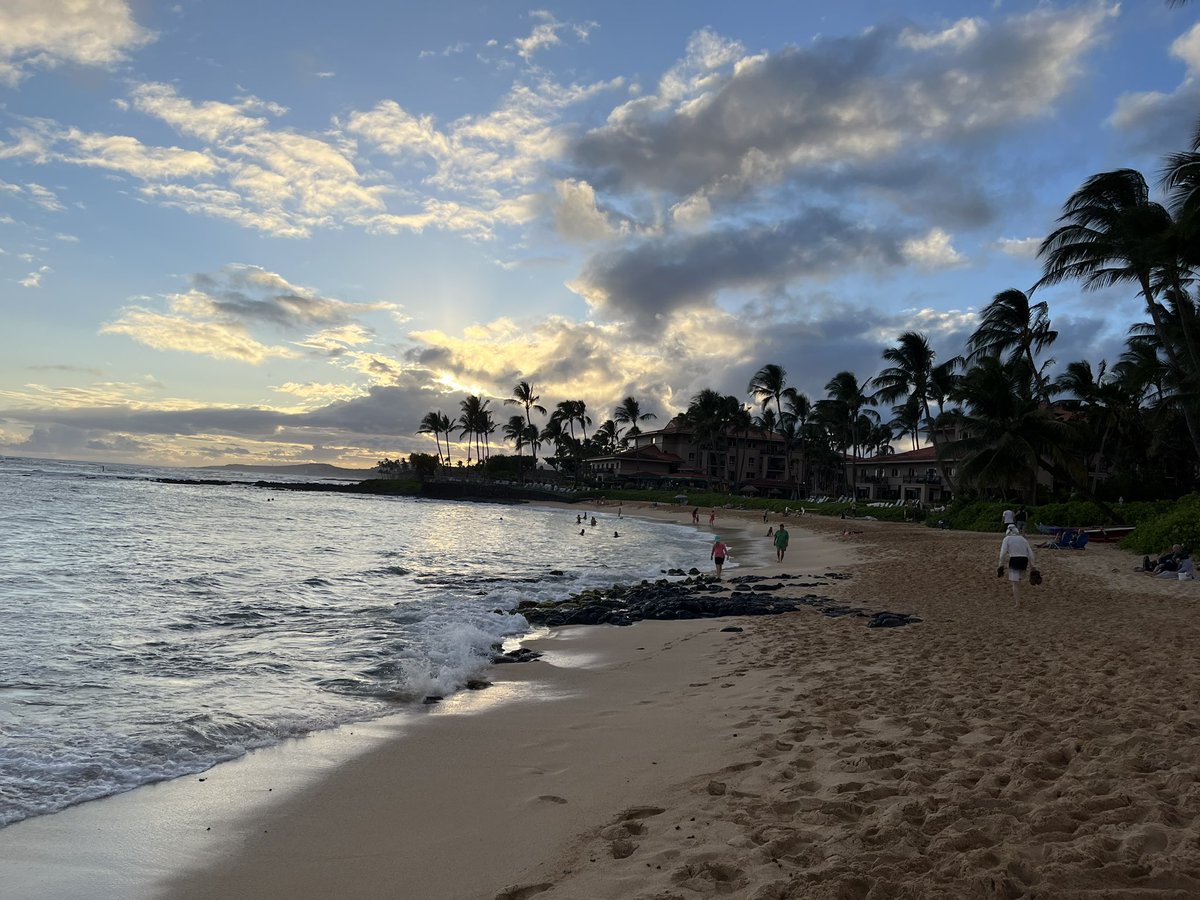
<point>521,892</point>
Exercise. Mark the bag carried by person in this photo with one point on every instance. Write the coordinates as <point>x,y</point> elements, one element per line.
<point>1035,577</point>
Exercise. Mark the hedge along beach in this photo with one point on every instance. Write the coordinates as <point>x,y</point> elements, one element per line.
<point>983,752</point>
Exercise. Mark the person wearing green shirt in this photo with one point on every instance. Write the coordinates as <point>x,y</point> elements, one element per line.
<point>781,542</point>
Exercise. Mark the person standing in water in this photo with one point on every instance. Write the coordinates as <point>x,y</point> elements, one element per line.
<point>1016,555</point>
<point>719,551</point>
<point>781,541</point>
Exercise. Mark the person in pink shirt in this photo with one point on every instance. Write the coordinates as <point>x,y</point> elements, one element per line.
<point>719,551</point>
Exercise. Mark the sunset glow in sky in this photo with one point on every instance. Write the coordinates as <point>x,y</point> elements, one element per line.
<point>282,232</point>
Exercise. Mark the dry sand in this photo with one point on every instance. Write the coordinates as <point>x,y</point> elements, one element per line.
<point>987,752</point>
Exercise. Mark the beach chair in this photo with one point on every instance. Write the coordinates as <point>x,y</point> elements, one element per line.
<point>1080,542</point>
<point>1064,540</point>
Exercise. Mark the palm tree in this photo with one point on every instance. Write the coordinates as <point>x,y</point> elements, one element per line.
<point>1010,434</point>
<point>569,412</point>
<point>1181,178</point>
<point>523,395</point>
<point>796,425</point>
<point>711,415</point>
<point>850,403</point>
<point>1011,324</point>
<point>910,376</point>
<point>629,412</point>
<point>516,429</point>
<point>1114,234</point>
<point>770,383</point>
<point>432,424</point>
<point>607,437</point>
<point>906,421</point>
<point>475,421</point>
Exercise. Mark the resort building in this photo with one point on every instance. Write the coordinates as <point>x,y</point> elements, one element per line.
<point>755,462</point>
<point>913,476</point>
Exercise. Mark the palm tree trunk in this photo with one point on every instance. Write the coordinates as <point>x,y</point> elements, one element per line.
<point>937,452</point>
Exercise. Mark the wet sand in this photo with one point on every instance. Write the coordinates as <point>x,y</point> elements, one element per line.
<point>1044,752</point>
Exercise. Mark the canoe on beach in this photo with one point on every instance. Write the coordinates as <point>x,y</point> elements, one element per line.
<point>1101,533</point>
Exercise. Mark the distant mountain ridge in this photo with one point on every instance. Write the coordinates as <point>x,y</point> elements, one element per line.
<point>318,470</point>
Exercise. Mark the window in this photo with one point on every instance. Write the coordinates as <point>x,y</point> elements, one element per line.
<point>895,473</point>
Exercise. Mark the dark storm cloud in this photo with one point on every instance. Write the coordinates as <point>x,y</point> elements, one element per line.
<point>654,278</point>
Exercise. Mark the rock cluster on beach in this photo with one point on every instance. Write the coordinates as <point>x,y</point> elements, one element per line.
<point>696,597</point>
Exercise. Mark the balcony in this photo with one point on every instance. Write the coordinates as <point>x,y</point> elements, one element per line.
<point>921,479</point>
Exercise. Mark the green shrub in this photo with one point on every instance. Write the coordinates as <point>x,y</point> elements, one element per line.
<point>1176,522</point>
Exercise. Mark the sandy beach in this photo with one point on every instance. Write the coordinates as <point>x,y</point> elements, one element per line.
<point>1044,752</point>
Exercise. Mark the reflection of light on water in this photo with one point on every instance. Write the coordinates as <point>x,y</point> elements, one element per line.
<point>498,694</point>
<point>566,659</point>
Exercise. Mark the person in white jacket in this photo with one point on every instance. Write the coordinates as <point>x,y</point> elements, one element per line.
<point>1016,555</point>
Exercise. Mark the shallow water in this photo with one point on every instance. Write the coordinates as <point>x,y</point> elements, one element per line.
<point>152,630</point>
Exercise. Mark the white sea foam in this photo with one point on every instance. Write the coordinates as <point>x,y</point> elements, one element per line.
<point>153,630</point>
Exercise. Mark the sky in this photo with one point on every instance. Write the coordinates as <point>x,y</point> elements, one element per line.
<point>279,232</point>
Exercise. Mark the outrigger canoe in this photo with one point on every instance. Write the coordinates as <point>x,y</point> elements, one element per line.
<point>1101,533</point>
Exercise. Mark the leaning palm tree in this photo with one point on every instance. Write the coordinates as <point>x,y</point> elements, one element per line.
<point>1181,178</point>
<point>1011,324</point>
<point>629,412</point>
<point>1115,234</point>
<point>432,424</point>
<point>523,395</point>
<point>910,376</point>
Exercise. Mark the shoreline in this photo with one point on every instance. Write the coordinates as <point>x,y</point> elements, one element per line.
<point>1047,751</point>
<point>227,797</point>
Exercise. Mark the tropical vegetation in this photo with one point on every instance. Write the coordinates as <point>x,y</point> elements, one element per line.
<point>1004,418</point>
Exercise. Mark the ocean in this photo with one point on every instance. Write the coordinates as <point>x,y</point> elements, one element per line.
<point>152,630</point>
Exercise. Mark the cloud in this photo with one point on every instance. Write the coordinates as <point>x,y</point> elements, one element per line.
<point>47,33</point>
<point>933,251</point>
<point>217,315</point>
<point>1021,248</point>
<point>34,279</point>
<point>653,279</point>
<point>1153,120</point>
<point>576,216</point>
<point>313,393</point>
<point>220,340</point>
<point>838,103</point>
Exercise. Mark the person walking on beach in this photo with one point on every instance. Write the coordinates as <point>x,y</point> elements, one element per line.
<point>781,542</point>
<point>719,552</point>
<point>1021,519</point>
<point>1016,555</point>
<point>712,518</point>
<point>1007,518</point>
<point>696,516</point>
